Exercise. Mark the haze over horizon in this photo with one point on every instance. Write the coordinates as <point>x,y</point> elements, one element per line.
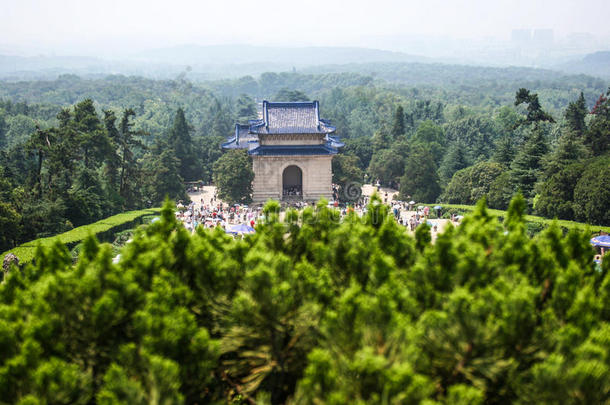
<point>433,28</point>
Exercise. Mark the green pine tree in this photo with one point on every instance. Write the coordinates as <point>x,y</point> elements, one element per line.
<point>233,176</point>
<point>575,115</point>
<point>597,137</point>
<point>527,165</point>
<point>505,151</point>
<point>180,141</point>
<point>398,125</point>
<point>455,159</point>
<point>420,180</point>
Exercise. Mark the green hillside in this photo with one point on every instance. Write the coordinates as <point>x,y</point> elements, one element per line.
<point>102,230</point>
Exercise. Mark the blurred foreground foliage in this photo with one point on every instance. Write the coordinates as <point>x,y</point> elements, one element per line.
<point>309,311</point>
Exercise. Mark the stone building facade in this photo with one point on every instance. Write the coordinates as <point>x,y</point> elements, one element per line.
<point>291,149</point>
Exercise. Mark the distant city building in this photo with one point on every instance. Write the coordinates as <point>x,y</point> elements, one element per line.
<point>291,148</point>
<point>533,47</point>
<point>538,38</point>
<point>521,37</point>
<point>543,38</point>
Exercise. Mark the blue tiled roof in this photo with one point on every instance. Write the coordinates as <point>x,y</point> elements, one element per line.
<point>292,118</point>
<point>241,139</point>
<point>334,142</point>
<point>292,150</point>
<point>285,118</point>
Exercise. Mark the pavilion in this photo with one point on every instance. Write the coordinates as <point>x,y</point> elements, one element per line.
<point>291,149</point>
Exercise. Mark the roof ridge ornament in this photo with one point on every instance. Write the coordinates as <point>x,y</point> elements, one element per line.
<point>317,107</point>
<point>266,113</point>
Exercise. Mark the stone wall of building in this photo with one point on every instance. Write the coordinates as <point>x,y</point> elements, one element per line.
<point>268,171</point>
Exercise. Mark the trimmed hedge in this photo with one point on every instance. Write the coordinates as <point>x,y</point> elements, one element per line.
<point>535,221</point>
<point>103,230</point>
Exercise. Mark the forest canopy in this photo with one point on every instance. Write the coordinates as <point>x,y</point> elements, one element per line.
<point>312,310</point>
<point>74,150</point>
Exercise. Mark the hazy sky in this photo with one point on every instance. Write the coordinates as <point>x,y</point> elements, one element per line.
<point>83,25</point>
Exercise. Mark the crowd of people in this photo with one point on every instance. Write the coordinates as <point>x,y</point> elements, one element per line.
<point>294,191</point>
<point>216,214</point>
<point>212,212</point>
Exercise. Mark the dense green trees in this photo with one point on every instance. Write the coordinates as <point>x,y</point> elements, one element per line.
<point>535,113</point>
<point>245,109</point>
<point>526,167</point>
<point>210,149</point>
<point>387,166</point>
<point>469,185</point>
<point>233,176</point>
<point>556,194</point>
<point>311,310</point>
<point>475,134</point>
<point>179,139</point>
<point>542,160</point>
<point>307,310</point>
<point>456,140</point>
<point>69,161</point>
<point>420,180</point>
<point>290,95</point>
<point>455,159</point>
<point>592,193</point>
<point>398,126</point>
<point>220,120</point>
<point>573,185</point>
<point>598,136</point>
<point>127,141</point>
<point>527,164</point>
<point>162,171</point>
<point>3,129</point>
<point>10,218</point>
<point>17,129</point>
<point>84,169</point>
<point>575,115</point>
<point>361,148</point>
<point>380,122</point>
<point>348,176</point>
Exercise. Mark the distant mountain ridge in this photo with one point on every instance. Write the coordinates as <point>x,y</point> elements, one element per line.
<point>205,62</point>
<point>10,62</point>
<point>247,54</point>
<point>598,57</point>
<point>200,63</point>
<point>596,64</point>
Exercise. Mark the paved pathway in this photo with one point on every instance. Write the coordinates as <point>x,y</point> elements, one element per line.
<point>389,194</point>
<point>206,193</point>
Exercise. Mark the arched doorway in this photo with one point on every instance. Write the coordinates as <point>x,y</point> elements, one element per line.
<point>292,182</point>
